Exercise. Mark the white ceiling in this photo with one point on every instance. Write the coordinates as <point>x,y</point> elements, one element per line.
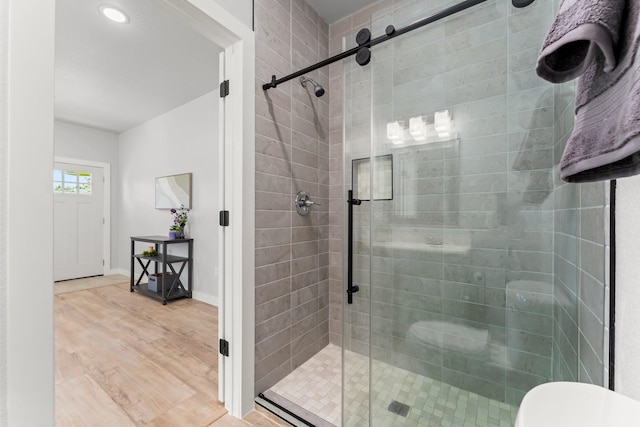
<point>116,76</point>
<point>113,76</point>
<point>334,10</point>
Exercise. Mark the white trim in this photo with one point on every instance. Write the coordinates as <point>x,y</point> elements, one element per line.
<point>122,271</point>
<point>106,207</point>
<point>206,298</point>
<point>222,267</point>
<point>200,296</point>
<point>238,276</point>
<point>220,26</point>
<point>29,375</point>
<point>239,194</point>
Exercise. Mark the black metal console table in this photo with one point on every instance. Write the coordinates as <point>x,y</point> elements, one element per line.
<point>171,288</point>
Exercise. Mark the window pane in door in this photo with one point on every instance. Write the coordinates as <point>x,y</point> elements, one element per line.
<point>84,183</point>
<point>57,175</point>
<point>70,176</point>
<point>70,187</point>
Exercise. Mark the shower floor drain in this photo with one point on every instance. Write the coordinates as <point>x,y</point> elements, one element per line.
<point>399,408</point>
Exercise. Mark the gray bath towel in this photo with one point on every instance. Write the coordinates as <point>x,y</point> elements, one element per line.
<point>598,41</point>
<point>582,29</point>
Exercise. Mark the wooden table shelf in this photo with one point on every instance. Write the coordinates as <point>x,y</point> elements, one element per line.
<point>163,263</point>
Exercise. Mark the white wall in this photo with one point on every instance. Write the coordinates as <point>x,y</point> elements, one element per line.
<point>240,9</point>
<point>4,161</point>
<point>627,337</point>
<point>26,212</point>
<point>82,142</point>
<point>180,141</point>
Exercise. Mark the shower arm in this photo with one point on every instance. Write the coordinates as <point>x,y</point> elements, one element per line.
<point>390,33</point>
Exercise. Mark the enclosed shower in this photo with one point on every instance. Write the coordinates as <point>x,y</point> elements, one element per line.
<point>462,271</point>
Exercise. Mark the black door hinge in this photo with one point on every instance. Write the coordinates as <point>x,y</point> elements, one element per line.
<point>224,88</point>
<point>224,347</point>
<point>224,218</point>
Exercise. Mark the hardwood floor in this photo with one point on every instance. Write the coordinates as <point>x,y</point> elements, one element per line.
<point>75,285</point>
<point>123,359</point>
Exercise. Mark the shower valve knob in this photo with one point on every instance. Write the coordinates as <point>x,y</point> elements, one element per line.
<point>303,202</point>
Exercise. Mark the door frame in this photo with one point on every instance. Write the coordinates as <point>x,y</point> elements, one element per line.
<point>26,126</point>
<point>106,205</point>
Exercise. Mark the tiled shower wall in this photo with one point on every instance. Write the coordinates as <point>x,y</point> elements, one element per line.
<point>499,188</point>
<point>347,27</point>
<point>581,223</point>
<point>490,191</point>
<point>292,154</point>
<point>299,144</point>
<point>593,284</point>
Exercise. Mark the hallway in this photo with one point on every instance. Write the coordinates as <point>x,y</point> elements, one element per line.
<point>125,360</point>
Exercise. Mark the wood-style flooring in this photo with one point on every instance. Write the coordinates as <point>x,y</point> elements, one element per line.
<point>123,359</point>
<point>75,285</point>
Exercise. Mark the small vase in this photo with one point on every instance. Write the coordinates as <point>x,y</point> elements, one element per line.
<point>173,234</point>
<point>180,234</point>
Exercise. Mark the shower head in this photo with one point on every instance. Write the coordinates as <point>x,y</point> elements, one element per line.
<point>317,88</point>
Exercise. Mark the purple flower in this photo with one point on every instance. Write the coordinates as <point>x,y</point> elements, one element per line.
<point>179,217</point>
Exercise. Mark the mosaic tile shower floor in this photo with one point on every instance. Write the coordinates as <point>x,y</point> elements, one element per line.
<point>316,387</point>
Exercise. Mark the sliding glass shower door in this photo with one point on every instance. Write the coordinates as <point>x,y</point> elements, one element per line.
<point>451,146</point>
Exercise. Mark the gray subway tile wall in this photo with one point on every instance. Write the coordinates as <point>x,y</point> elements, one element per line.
<point>499,185</point>
<point>292,154</point>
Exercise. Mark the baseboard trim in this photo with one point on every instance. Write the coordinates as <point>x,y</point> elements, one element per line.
<point>206,298</point>
<point>122,271</point>
<point>200,296</point>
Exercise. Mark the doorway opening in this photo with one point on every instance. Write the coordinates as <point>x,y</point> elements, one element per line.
<point>169,126</point>
<point>142,97</point>
<point>29,363</point>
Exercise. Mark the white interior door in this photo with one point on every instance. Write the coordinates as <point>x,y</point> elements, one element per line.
<point>78,221</point>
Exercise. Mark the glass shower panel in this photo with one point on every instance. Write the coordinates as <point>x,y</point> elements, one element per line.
<point>356,316</point>
<point>431,320</point>
<point>454,240</point>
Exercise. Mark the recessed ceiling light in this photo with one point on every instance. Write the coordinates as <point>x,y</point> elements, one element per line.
<point>114,14</point>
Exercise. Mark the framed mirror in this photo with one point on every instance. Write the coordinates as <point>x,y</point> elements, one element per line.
<point>173,191</point>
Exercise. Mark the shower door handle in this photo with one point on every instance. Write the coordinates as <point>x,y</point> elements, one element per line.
<point>351,289</point>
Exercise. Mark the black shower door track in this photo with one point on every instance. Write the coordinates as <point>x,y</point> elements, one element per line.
<point>364,45</point>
